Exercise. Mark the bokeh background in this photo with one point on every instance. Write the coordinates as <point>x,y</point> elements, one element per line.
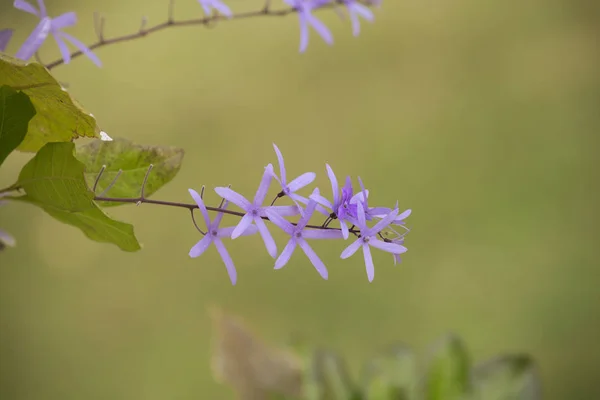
<point>481,116</point>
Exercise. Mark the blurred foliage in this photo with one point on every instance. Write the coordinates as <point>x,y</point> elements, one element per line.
<point>480,116</point>
<point>318,374</point>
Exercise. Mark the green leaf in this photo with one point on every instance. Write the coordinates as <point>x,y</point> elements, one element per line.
<point>507,377</point>
<point>59,117</point>
<point>16,111</point>
<point>392,375</point>
<point>448,371</point>
<point>133,160</point>
<point>53,180</point>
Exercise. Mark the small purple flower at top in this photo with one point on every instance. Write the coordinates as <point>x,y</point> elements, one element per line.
<point>214,235</point>
<point>368,237</point>
<point>5,35</point>
<point>52,26</point>
<point>208,5</point>
<point>355,9</point>
<point>254,210</point>
<point>305,17</point>
<point>298,234</point>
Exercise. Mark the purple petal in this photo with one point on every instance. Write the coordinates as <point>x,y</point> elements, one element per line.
<point>62,46</point>
<point>314,258</point>
<point>369,262</point>
<point>350,250</point>
<point>205,7</point>
<point>322,234</point>
<point>222,8</point>
<point>321,200</point>
<point>227,260</point>
<point>233,197</point>
<point>384,222</point>
<point>320,28</point>
<point>362,222</point>
<point>334,186</point>
<point>281,165</point>
<point>284,211</point>
<point>308,212</point>
<point>363,11</point>
<point>363,195</point>
<point>228,231</point>
<point>201,206</point>
<point>355,23</point>
<point>5,36</point>
<point>241,227</point>
<point>42,8</point>
<point>344,228</point>
<point>267,238</point>
<point>397,259</point>
<point>263,188</point>
<point>219,217</point>
<point>286,254</point>
<point>301,181</point>
<point>82,47</point>
<point>25,6</point>
<point>380,212</point>
<point>388,247</point>
<point>403,216</point>
<point>35,40</point>
<point>281,222</point>
<point>200,247</point>
<point>64,21</point>
<point>302,19</point>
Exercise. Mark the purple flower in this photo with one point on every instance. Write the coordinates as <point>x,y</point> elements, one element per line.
<point>368,238</point>
<point>289,189</point>
<point>5,35</point>
<point>298,234</point>
<point>218,5</point>
<point>355,9</point>
<point>214,235</point>
<point>52,26</point>
<point>341,208</point>
<point>254,210</point>
<point>306,18</point>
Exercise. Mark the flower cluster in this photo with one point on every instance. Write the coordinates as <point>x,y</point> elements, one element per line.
<point>370,226</point>
<point>213,9</point>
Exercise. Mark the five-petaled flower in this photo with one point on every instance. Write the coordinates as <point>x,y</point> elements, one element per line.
<point>54,27</point>
<point>254,210</point>
<point>298,233</point>
<point>209,5</point>
<point>214,234</point>
<point>306,18</point>
<point>368,237</point>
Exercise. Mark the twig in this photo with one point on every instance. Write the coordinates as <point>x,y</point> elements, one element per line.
<point>171,22</point>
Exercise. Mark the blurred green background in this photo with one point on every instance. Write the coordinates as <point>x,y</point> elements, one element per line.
<point>482,117</point>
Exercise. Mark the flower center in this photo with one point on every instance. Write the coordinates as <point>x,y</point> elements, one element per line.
<point>254,212</point>
<point>213,233</point>
<point>298,234</point>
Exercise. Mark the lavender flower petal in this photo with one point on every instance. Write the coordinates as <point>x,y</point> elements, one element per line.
<point>201,206</point>
<point>231,271</point>
<point>281,165</point>
<point>320,28</point>
<point>263,188</point>
<point>200,247</point>
<point>25,6</point>
<point>301,181</point>
<point>386,246</point>
<point>362,222</point>
<point>241,227</point>
<point>385,221</point>
<point>334,186</point>
<point>350,250</point>
<point>302,19</point>
<point>35,40</point>
<point>83,48</point>
<point>233,197</point>
<point>369,262</point>
<point>281,222</point>
<point>310,209</point>
<point>222,8</point>
<point>344,228</point>
<point>314,259</point>
<point>42,8</point>
<point>5,36</point>
<point>7,239</point>
<point>363,11</point>
<point>285,211</point>
<point>322,234</point>
<point>219,216</point>
<point>62,46</point>
<point>286,254</point>
<point>266,236</point>
<point>321,200</point>
<point>228,231</point>
<point>64,21</point>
